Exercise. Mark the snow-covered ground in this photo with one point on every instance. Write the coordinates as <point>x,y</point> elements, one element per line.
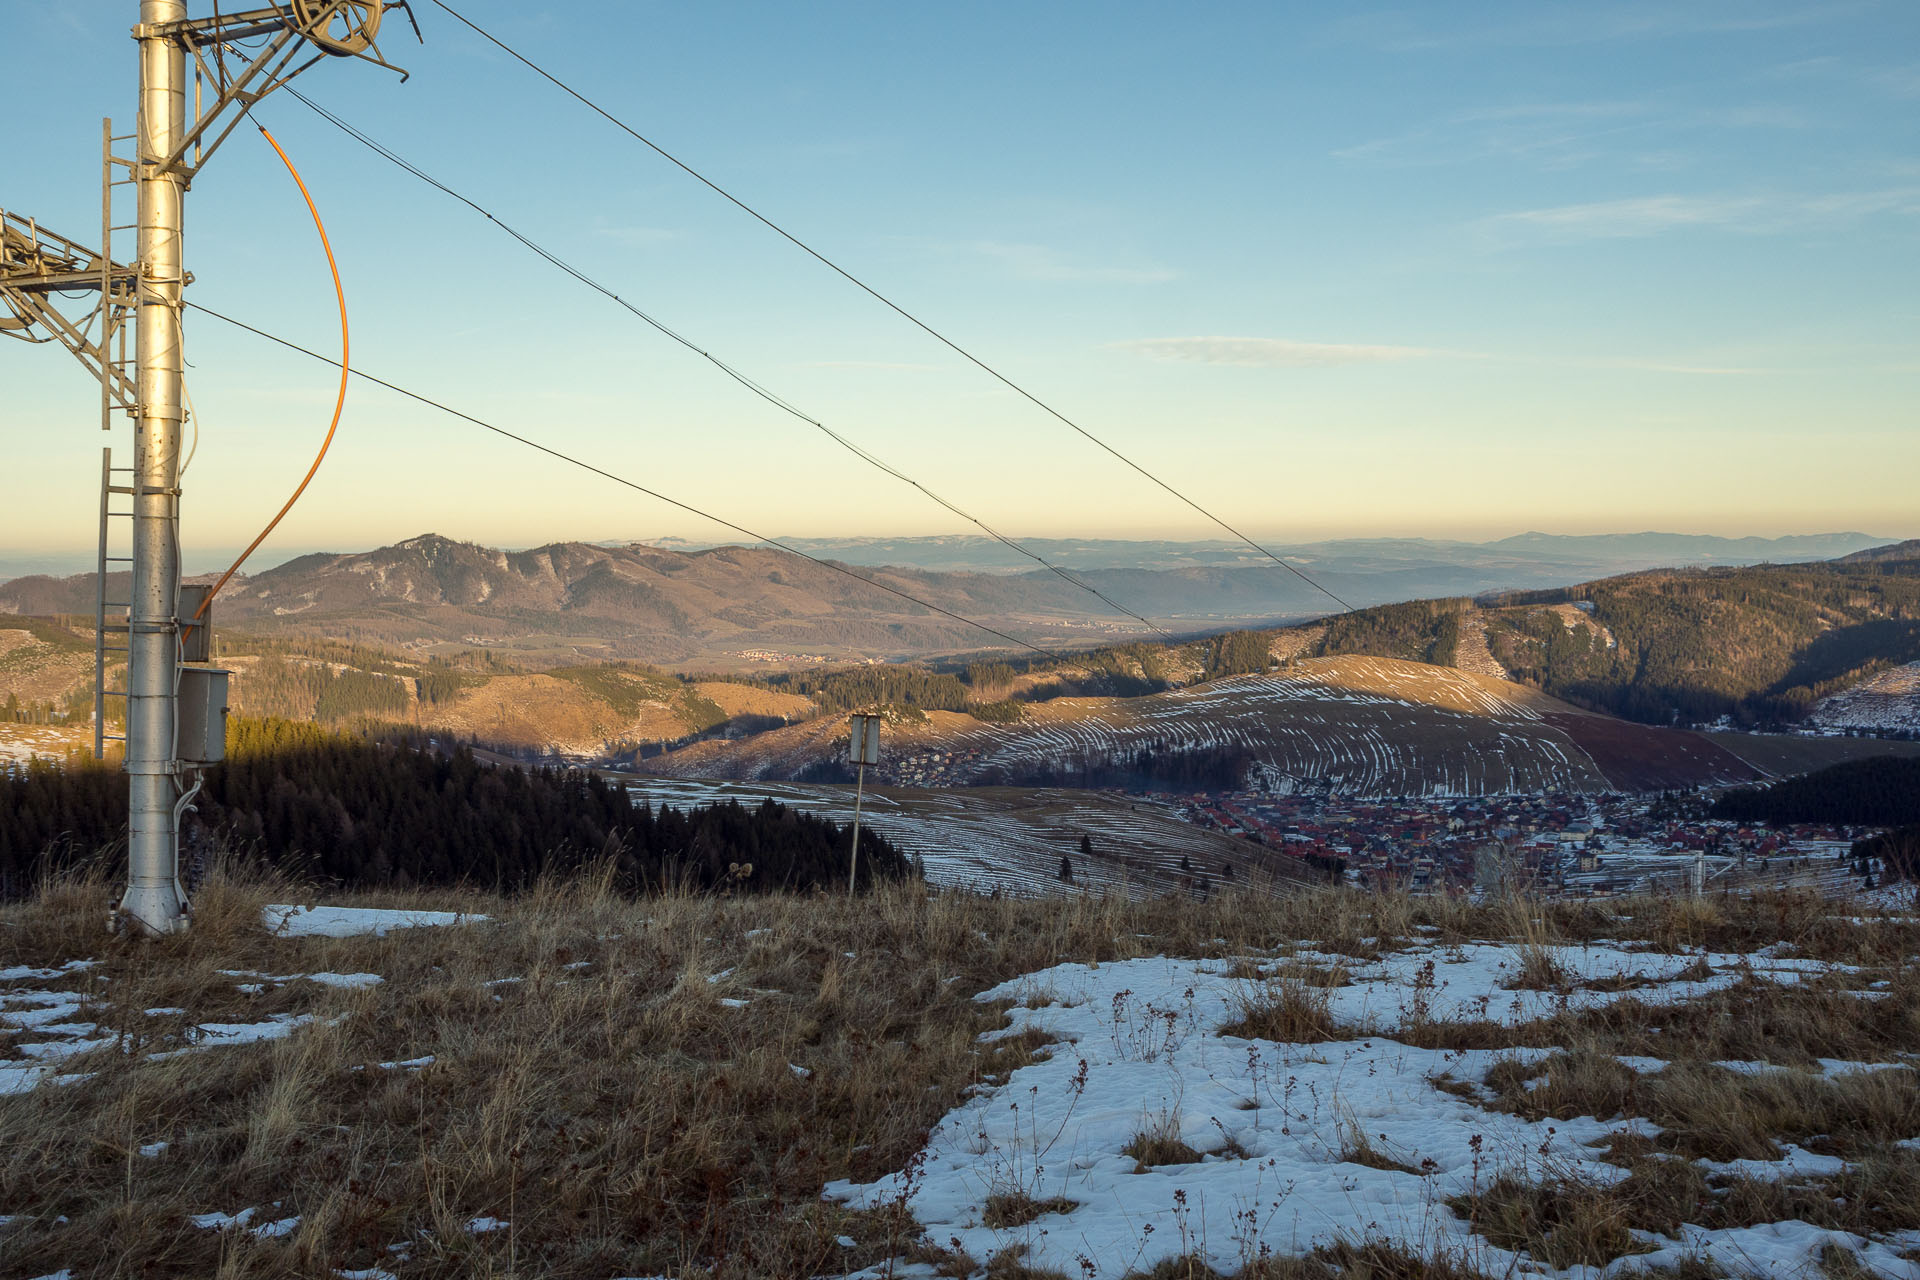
<point>1141,1050</point>
<point>37,1000</point>
<point>1890,700</point>
<point>347,922</point>
<point>1038,1164</point>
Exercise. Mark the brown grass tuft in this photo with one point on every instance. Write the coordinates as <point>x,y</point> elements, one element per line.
<point>1158,1143</point>
<point>1562,1222</point>
<point>1017,1209</point>
<point>1285,1011</point>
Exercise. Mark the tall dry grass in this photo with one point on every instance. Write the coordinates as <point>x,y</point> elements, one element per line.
<point>590,1089</point>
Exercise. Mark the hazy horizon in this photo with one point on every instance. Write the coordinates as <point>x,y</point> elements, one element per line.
<point>1406,269</point>
<point>67,562</point>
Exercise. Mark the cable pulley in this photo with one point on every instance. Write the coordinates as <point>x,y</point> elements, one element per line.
<point>343,28</point>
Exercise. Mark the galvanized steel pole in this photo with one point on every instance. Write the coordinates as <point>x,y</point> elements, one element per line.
<point>853,858</point>
<point>154,901</point>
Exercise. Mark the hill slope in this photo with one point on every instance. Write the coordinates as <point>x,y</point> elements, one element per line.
<point>1753,645</point>
<point>575,599</point>
<point>1362,725</point>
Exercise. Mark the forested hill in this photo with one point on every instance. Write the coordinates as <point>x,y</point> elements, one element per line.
<point>352,809</point>
<point>1868,793</point>
<point>1758,645</point>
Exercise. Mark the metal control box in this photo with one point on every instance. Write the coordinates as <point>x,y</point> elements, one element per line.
<point>202,736</point>
<point>196,623</point>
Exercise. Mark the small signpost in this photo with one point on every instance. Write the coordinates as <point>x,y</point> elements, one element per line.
<point>863,748</point>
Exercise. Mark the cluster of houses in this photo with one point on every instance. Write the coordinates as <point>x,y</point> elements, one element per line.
<point>1554,844</point>
<point>934,768</point>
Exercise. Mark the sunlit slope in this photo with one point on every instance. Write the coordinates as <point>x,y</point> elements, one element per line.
<point>1373,726</point>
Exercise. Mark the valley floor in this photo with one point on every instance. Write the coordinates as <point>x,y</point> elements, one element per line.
<point>1325,1083</point>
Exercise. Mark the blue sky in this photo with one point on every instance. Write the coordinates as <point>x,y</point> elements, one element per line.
<point>1447,270</point>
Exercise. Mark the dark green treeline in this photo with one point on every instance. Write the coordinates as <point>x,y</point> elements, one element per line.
<point>389,810</point>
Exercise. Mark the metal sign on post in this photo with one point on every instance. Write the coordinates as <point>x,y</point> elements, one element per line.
<point>863,748</point>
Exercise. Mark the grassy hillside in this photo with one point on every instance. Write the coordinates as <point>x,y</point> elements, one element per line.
<point>1757,645</point>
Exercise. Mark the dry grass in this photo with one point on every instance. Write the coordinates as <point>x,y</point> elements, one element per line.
<point>606,1104</point>
<point>1751,1020</point>
<point>1539,970</point>
<point>1708,1112</point>
<point>1285,1011</point>
<point>1017,1209</point>
<point>1356,1260</point>
<point>623,1120</point>
<point>1566,1219</point>
<point>1158,1143</point>
<point>1561,1222</point>
<point>1563,1086</point>
<point>1357,1147</point>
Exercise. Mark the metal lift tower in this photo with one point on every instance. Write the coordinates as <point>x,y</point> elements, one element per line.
<point>172,138</point>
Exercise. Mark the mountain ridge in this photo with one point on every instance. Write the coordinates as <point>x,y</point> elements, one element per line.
<point>634,601</point>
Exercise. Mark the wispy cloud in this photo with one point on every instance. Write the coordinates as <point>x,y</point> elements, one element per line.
<point>1901,82</point>
<point>1038,262</point>
<point>1636,216</point>
<point>1272,353</point>
<point>1552,135</point>
<point>1563,135</point>
<point>1544,25</point>
<point>1640,216</point>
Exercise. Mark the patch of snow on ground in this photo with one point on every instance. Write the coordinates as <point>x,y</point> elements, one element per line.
<point>1141,1049</point>
<point>290,921</point>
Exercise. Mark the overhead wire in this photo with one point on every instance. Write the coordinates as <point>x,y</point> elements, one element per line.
<point>779,402</point>
<point>874,293</point>
<point>339,402</point>
<point>584,465</point>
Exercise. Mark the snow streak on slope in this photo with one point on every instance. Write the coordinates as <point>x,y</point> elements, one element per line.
<point>1369,726</point>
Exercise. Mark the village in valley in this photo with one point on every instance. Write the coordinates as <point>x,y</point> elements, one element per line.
<point>1555,844</point>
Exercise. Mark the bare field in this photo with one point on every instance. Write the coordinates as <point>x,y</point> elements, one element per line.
<point>21,742</point>
<point>747,700</point>
<point>1782,755</point>
<point>37,671</point>
<point>540,711</point>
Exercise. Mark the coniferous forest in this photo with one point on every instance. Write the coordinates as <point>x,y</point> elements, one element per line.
<point>1880,792</point>
<point>388,809</point>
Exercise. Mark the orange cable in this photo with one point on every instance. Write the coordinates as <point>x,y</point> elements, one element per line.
<point>340,401</point>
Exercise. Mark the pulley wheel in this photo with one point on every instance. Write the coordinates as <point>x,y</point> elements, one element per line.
<point>339,27</point>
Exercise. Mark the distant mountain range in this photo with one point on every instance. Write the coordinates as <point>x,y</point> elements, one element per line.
<point>678,605</point>
<point>1525,559</point>
<point>1521,560</point>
